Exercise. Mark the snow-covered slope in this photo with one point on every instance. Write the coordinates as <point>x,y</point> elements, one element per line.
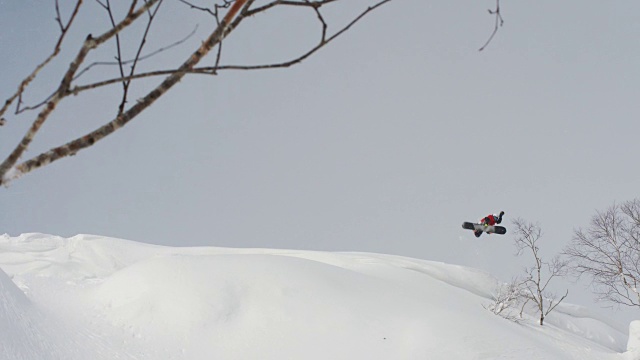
<point>91,297</point>
<point>22,334</point>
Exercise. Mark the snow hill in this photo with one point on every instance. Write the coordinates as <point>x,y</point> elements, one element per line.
<point>91,297</point>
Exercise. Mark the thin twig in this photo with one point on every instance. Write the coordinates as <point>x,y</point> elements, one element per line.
<point>213,12</point>
<point>132,7</point>
<point>141,58</point>
<point>315,4</point>
<point>118,57</point>
<point>499,22</point>
<point>56,51</point>
<point>127,83</point>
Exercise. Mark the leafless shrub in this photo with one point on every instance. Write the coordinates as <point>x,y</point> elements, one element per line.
<point>507,299</point>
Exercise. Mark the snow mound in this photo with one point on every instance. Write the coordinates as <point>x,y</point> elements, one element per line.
<point>22,329</point>
<point>129,300</point>
<point>633,344</point>
<point>77,258</point>
<point>260,300</point>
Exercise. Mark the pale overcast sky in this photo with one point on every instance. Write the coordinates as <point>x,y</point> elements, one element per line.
<point>384,141</point>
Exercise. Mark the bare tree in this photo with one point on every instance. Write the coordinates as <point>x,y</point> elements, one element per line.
<point>608,252</point>
<point>538,276</point>
<point>227,16</point>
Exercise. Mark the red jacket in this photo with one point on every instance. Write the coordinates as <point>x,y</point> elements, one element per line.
<point>492,220</point>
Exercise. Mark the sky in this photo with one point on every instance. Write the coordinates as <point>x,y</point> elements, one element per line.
<point>384,141</point>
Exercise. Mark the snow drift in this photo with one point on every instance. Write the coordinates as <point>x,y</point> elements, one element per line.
<point>110,298</point>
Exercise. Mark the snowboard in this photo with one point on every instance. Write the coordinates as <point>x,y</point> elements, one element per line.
<point>490,229</point>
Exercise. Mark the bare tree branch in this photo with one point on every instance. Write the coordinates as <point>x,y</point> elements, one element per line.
<point>125,84</point>
<point>213,12</point>
<point>498,23</point>
<point>553,306</point>
<point>56,50</point>
<point>324,41</point>
<point>139,59</point>
<point>74,146</point>
<point>63,89</point>
<point>235,12</point>
<point>124,78</point>
<point>212,70</point>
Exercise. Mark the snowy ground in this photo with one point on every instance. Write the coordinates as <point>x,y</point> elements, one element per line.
<point>91,297</point>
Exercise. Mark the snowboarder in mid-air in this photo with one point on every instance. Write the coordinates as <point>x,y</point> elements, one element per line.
<point>489,220</point>
<point>487,224</point>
